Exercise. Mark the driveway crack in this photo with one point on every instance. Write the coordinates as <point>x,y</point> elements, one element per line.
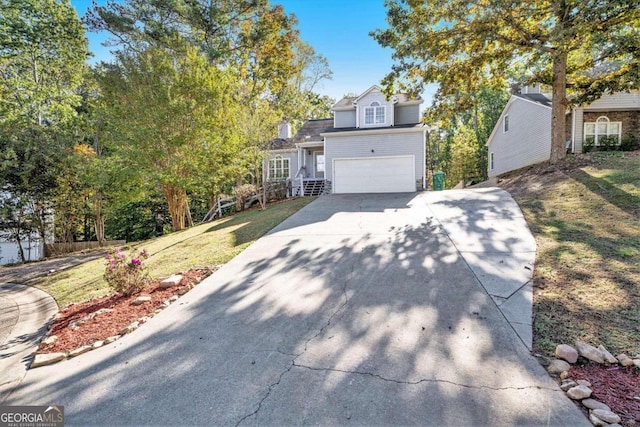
<point>424,380</point>
<point>345,295</point>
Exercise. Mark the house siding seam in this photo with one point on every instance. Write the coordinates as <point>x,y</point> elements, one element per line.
<point>383,145</point>
<point>528,140</point>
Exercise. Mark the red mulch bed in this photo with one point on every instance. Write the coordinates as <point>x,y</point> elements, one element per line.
<point>615,386</point>
<point>121,312</point>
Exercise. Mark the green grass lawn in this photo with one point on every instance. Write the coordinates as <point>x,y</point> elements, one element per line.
<point>205,245</point>
<point>585,217</point>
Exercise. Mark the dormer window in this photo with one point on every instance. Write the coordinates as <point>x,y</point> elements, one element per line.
<point>374,114</point>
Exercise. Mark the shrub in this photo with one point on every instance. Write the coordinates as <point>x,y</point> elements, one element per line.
<point>127,276</point>
<point>609,142</point>
<point>589,144</point>
<point>629,143</point>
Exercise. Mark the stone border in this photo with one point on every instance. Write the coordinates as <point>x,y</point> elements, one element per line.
<point>44,359</point>
<point>600,414</point>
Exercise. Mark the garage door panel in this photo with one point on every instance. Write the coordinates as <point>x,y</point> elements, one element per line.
<point>374,175</point>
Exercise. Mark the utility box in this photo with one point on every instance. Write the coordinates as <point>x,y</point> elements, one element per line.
<point>438,181</point>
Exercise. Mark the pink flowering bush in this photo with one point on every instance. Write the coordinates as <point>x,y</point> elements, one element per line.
<point>127,276</point>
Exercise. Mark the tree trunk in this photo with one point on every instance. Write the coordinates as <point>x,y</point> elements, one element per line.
<point>98,218</point>
<point>176,198</point>
<point>188,213</point>
<point>559,108</point>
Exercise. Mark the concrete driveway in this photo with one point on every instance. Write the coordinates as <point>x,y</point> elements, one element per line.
<point>359,309</point>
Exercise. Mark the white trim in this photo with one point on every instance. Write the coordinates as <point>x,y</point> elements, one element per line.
<point>372,131</point>
<point>310,144</point>
<point>505,123</point>
<point>596,134</point>
<point>282,159</point>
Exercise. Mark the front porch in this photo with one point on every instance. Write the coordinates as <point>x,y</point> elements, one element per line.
<point>309,180</point>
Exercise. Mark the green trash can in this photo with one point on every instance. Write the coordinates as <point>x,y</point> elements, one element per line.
<point>438,181</point>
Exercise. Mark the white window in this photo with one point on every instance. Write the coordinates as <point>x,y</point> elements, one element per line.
<point>491,164</point>
<point>374,114</point>
<point>505,124</point>
<point>278,168</point>
<point>595,132</point>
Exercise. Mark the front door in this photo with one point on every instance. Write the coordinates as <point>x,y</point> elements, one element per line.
<point>318,163</point>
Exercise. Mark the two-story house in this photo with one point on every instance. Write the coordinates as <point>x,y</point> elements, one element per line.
<point>372,145</point>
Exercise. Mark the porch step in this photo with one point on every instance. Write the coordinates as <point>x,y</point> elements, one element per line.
<point>313,187</point>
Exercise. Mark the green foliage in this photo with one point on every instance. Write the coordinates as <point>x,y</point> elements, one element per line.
<point>629,143</point>
<point>42,60</point>
<point>608,142</point>
<point>127,276</point>
<point>458,145</point>
<point>462,45</point>
<point>589,144</point>
<point>137,221</point>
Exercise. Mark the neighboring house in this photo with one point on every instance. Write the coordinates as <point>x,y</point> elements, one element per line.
<point>32,244</point>
<point>522,135</point>
<point>372,145</point>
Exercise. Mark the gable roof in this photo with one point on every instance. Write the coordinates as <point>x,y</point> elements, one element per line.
<point>348,103</point>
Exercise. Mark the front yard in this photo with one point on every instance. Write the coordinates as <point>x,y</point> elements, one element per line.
<point>206,245</point>
<point>585,216</point>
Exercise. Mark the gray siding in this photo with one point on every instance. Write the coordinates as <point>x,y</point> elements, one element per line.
<point>383,144</point>
<point>366,101</point>
<point>407,115</point>
<point>293,161</point>
<point>528,140</point>
<point>344,119</point>
<point>578,123</point>
<point>616,101</point>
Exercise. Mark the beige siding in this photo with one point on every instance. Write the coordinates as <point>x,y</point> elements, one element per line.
<point>407,115</point>
<point>617,101</point>
<point>528,140</point>
<point>344,119</point>
<point>376,145</point>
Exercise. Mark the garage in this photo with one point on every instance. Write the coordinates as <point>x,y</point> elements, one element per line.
<point>374,175</point>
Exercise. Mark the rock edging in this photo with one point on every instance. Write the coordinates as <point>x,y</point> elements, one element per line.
<point>44,359</point>
<point>600,414</point>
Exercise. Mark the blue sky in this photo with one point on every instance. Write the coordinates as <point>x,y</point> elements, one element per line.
<point>337,29</point>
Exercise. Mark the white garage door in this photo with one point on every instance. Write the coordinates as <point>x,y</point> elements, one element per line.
<point>374,175</point>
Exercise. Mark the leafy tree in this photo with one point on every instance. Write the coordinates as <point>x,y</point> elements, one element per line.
<point>587,46</point>
<point>42,61</point>
<point>42,58</point>
<point>163,114</point>
<point>253,36</point>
